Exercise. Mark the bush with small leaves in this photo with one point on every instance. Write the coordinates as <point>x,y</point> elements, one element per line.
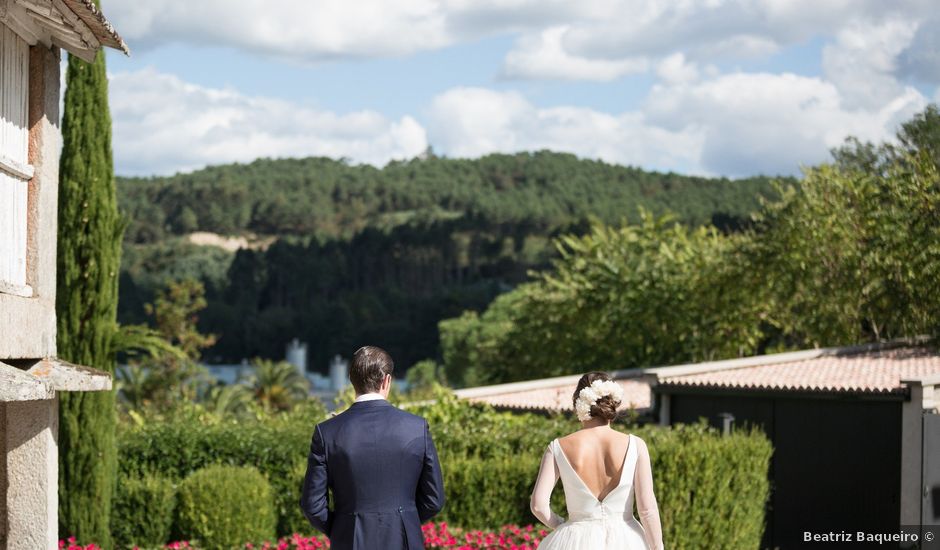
<point>221,507</point>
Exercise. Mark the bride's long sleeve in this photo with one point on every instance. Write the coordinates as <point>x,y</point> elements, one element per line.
<point>646,505</point>
<point>540,502</point>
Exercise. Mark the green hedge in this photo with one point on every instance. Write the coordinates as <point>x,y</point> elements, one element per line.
<point>711,489</point>
<point>222,507</point>
<point>490,493</point>
<point>176,449</point>
<point>143,511</point>
<point>705,482</point>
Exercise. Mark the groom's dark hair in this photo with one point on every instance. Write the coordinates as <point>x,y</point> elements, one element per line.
<point>369,367</point>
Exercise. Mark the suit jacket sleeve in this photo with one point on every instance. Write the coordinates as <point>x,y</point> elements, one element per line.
<point>314,498</point>
<point>429,496</point>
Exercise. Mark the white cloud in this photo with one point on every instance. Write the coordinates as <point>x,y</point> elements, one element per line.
<point>735,125</point>
<point>694,120</point>
<point>862,61</point>
<point>738,28</point>
<point>163,125</point>
<point>557,39</point>
<point>921,59</point>
<point>469,122</point>
<point>674,69</point>
<point>771,123</point>
<point>543,56</point>
<point>300,30</point>
<point>706,31</point>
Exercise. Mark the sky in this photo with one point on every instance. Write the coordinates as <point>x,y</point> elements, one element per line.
<point>706,87</point>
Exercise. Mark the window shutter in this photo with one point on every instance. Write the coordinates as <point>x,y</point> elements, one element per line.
<point>15,171</point>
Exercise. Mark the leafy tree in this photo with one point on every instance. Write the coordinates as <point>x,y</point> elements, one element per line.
<point>175,315</point>
<point>851,254</point>
<point>424,378</point>
<point>855,256</point>
<point>89,252</point>
<point>917,136</point>
<point>168,370</point>
<point>921,134</point>
<point>635,295</point>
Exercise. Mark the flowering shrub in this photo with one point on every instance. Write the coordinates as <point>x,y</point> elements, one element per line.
<point>71,544</point>
<point>509,537</point>
<point>436,535</point>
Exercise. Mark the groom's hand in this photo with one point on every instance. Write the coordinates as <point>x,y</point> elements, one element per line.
<point>314,499</point>
<point>429,496</point>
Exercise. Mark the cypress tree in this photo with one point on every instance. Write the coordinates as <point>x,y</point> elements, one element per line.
<point>89,255</point>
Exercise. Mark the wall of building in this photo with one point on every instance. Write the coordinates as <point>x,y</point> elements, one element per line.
<point>3,475</point>
<point>836,463</point>
<point>30,502</point>
<point>28,325</point>
<point>29,465</point>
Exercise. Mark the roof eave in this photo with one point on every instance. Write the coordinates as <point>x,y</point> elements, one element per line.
<point>99,25</point>
<point>753,391</point>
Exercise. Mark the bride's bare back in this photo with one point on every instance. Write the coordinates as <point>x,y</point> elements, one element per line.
<point>597,457</point>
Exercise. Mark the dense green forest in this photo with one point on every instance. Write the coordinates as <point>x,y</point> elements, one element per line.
<point>355,254</point>
<point>329,198</point>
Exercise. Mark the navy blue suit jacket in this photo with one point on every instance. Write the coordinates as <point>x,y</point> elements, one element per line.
<point>381,466</point>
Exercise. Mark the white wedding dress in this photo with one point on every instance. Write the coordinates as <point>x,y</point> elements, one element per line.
<point>599,524</point>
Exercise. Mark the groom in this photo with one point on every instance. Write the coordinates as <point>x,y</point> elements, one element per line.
<point>380,464</point>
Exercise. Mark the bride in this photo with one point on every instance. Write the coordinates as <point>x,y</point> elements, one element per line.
<point>602,471</point>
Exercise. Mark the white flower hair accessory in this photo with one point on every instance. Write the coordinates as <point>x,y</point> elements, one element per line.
<point>589,395</point>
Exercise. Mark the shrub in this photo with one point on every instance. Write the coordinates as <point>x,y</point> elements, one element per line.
<point>489,493</point>
<point>705,482</point>
<point>461,429</point>
<point>711,489</point>
<point>143,511</point>
<point>273,445</point>
<point>224,506</point>
<point>287,490</point>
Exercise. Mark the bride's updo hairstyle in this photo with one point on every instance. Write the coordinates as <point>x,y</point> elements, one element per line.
<point>606,403</point>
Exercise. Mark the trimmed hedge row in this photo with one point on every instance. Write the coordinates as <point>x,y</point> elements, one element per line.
<point>489,493</point>
<point>221,507</point>
<point>711,488</point>
<point>176,449</point>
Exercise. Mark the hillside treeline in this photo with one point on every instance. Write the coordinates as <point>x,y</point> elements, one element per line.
<point>382,255</point>
<point>331,198</point>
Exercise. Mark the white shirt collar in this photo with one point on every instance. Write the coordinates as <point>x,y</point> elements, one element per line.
<point>368,397</point>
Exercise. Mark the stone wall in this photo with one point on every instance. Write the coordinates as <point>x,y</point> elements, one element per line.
<point>32,465</point>
<point>3,475</point>
<point>32,320</point>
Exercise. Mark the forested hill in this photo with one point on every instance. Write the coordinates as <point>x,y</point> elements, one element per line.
<point>329,198</point>
<point>366,255</point>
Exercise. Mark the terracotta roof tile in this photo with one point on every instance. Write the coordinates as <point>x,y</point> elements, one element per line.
<point>869,372</point>
<point>636,395</point>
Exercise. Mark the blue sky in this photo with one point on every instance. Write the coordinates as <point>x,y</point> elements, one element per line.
<point>714,87</point>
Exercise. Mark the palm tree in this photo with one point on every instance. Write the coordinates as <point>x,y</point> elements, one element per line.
<point>278,385</point>
<point>232,400</point>
<point>135,385</point>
